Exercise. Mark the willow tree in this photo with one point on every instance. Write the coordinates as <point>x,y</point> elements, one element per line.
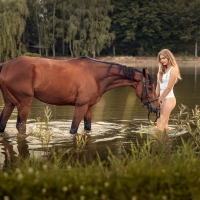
<point>13,16</point>
<point>53,22</point>
<point>69,22</point>
<point>62,22</point>
<point>36,16</point>
<point>93,27</point>
<point>48,24</point>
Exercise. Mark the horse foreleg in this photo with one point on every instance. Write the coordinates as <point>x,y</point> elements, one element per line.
<point>79,113</point>
<point>6,113</point>
<point>87,119</point>
<point>22,118</point>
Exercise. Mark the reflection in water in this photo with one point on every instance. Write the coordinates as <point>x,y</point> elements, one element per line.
<point>8,155</point>
<point>12,149</point>
<point>115,122</point>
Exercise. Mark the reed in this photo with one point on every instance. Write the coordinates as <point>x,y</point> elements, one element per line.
<point>42,131</point>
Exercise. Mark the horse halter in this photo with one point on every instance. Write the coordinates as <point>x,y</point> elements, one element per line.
<point>148,102</point>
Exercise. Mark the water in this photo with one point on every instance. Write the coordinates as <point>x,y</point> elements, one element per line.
<point>115,122</point>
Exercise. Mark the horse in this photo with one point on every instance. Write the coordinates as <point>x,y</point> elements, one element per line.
<point>78,82</point>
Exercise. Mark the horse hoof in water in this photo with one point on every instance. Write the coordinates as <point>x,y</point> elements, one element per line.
<point>87,128</point>
<point>73,131</point>
<point>2,128</point>
<point>21,129</point>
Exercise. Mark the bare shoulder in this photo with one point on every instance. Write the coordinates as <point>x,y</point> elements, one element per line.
<point>174,71</point>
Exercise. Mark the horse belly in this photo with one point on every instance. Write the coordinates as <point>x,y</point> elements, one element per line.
<point>59,95</point>
<point>69,92</point>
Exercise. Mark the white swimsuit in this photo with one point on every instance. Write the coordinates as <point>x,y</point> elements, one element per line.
<point>164,84</point>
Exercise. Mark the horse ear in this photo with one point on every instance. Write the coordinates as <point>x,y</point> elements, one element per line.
<point>145,72</point>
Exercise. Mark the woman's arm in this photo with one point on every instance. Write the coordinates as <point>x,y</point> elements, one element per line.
<point>158,89</point>
<point>172,81</point>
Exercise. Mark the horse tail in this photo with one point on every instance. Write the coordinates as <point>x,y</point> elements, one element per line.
<point>6,92</point>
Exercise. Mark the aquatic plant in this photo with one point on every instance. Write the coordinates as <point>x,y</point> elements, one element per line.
<point>43,132</point>
<point>80,142</point>
<point>140,174</point>
<point>152,170</point>
<point>189,119</point>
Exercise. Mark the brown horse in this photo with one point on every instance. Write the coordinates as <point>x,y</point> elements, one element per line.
<point>79,82</point>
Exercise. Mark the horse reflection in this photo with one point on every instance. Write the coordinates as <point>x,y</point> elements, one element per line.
<point>9,153</point>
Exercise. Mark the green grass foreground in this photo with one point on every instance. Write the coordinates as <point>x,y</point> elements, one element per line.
<point>139,175</point>
<point>152,171</point>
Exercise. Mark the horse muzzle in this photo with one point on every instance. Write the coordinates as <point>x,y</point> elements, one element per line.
<point>153,110</point>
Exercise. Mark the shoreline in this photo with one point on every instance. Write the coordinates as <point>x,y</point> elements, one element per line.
<point>135,61</point>
<point>128,58</point>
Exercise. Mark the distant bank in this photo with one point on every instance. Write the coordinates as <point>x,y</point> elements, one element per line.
<point>132,61</point>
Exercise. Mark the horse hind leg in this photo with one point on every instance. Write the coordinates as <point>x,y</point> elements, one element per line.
<point>87,119</point>
<point>6,113</point>
<point>23,110</point>
<point>22,117</point>
<point>79,113</point>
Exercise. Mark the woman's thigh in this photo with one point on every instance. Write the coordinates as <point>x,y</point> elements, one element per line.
<point>167,107</point>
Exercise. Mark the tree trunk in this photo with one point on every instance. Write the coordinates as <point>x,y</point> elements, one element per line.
<point>63,44</point>
<point>20,48</point>
<point>196,53</point>
<point>54,25</point>
<point>46,52</point>
<point>94,54</point>
<point>113,50</point>
<point>39,38</point>
<point>70,48</point>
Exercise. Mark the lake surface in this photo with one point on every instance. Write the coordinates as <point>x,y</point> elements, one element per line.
<point>115,122</point>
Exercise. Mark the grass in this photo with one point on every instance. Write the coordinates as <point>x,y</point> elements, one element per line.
<point>152,171</point>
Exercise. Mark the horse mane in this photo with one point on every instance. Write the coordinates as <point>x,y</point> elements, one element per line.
<point>129,72</point>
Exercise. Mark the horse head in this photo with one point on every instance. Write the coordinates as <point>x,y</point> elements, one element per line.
<point>148,94</point>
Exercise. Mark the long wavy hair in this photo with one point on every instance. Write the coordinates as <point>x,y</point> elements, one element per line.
<point>172,62</point>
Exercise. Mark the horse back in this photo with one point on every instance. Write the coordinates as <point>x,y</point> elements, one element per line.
<point>57,82</point>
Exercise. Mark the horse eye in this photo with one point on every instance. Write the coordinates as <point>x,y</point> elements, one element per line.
<point>149,88</point>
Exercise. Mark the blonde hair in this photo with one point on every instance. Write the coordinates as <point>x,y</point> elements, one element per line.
<point>172,62</point>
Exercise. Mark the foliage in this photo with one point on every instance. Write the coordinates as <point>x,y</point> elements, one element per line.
<point>152,170</point>
<point>13,16</point>
<point>94,27</point>
<point>153,25</point>
<point>43,131</point>
<point>31,54</point>
<point>190,120</point>
<point>139,175</point>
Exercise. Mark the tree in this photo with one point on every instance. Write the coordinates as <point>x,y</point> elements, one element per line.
<point>93,25</point>
<point>34,21</point>
<point>70,21</point>
<point>194,10</point>
<point>13,16</point>
<point>137,22</point>
<point>61,30</point>
<point>54,21</point>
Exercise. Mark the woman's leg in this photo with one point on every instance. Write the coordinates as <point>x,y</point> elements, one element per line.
<point>165,111</point>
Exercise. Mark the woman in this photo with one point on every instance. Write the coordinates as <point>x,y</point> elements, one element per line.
<point>168,75</point>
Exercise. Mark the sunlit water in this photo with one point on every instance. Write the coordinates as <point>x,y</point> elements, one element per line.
<point>116,120</point>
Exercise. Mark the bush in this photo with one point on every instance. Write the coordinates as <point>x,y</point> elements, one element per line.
<point>31,54</point>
